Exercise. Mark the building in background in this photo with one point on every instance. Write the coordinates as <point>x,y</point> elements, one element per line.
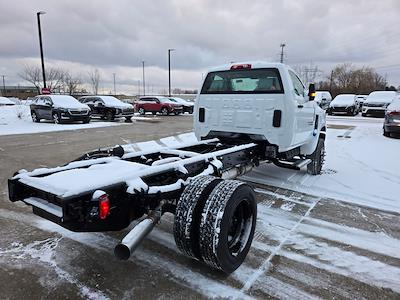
<point>18,91</point>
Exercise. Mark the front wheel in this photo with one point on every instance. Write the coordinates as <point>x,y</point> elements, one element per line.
<point>164,111</point>
<point>109,116</point>
<point>128,119</point>
<point>35,117</point>
<point>317,158</point>
<point>141,111</point>
<point>363,114</point>
<point>56,118</point>
<point>87,120</point>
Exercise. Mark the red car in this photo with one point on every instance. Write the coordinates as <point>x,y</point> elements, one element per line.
<point>156,104</point>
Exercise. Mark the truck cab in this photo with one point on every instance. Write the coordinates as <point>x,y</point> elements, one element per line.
<point>261,102</point>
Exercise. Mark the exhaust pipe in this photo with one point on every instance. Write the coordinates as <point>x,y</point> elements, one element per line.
<point>133,239</point>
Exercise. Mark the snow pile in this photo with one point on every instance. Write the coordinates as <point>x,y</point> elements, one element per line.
<point>6,101</point>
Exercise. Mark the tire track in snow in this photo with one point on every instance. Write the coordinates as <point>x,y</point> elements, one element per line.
<point>266,265</point>
<point>195,280</point>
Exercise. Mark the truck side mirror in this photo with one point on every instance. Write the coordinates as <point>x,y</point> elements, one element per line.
<point>311,92</point>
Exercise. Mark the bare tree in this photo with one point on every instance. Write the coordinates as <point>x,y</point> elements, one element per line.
<point>94,79</point>
<point>32,74</point>
<point>71,83</point>
<point>345,78</point>
<point>308,74</point>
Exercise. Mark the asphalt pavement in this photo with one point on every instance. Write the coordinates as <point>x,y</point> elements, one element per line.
<point>305,247</point>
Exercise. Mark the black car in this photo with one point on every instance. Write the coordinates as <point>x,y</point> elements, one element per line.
<point>108,107</point>
<point>59,108</point>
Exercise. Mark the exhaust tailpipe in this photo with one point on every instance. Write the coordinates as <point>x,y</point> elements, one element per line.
<point>133,239</point>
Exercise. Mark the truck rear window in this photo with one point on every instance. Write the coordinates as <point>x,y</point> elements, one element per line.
<point>243,81</point>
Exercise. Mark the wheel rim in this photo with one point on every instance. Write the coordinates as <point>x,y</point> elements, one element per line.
<point>141,111</point>
<point>34,118</point>
<point>240,227</point>
<point>164,111</point>
<point>55,118</point>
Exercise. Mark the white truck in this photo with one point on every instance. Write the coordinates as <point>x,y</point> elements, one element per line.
<point>245,114</point>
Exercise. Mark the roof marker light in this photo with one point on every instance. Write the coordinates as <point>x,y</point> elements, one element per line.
<point>241,66</point>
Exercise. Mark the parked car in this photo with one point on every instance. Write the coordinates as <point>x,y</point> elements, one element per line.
<point>391,124</point>
<point>187,105</point>
<point>6,102</point>
<point>108,107</point>
<point>59,108</point>
<point>157,104</point>
<point>344,104</point>
<point>377,102</point>
<point>323,99</point>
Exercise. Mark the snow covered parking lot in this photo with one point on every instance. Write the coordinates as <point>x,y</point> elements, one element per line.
<point>332,236</point>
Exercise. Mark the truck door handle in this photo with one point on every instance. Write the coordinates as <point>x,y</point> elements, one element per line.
<point>300,106</point>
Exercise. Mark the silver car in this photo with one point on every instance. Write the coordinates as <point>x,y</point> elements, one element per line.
<point>392,118</point>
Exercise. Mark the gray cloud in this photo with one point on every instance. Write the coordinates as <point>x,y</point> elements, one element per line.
<point>116,36</point>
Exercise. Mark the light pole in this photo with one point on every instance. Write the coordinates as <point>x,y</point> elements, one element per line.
<point>169,71</point>
<point>282,46</point>
<point>144,86</point>
<point>115,91</point>
<point>4,85</point>
<point>41,46</point>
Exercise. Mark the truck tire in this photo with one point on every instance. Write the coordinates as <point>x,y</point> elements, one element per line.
<point>227,225</point>
<point>317,159</point>
<point>188,214</point>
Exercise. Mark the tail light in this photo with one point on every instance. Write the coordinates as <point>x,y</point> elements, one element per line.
<point>241,66</point>
<point>394,113</point>
<point>104,203</point>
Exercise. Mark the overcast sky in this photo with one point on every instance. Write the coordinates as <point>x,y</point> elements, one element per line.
<point>115,36</point>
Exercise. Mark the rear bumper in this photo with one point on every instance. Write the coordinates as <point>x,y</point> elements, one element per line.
<point>76,213</point>
<point>392,127</point>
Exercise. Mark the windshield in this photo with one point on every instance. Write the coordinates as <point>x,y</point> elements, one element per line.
<point>61,100</point>
<point>166,100</point>
<point>111,100</point>
<point>243,81</point>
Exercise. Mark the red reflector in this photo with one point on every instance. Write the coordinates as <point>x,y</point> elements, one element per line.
<point>242,66</point>
<point>104,206</point>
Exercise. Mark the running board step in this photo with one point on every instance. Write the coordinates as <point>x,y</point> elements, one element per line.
<point>297,165</point>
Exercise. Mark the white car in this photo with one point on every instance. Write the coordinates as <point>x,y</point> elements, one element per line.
<point>187,105</point>
<point>377,102</point>
<point>361,99</point>
<point>344,104</point>
<point>266,103</point>
<point>323,98</point>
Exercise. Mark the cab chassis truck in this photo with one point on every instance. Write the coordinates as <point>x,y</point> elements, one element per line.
<point>215,215</point>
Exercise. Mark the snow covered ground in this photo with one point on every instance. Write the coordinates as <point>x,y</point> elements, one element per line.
<point>17,120</point>
<point>362,166</point>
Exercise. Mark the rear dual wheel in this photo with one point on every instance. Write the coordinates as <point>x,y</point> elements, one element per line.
<point>215,222</point>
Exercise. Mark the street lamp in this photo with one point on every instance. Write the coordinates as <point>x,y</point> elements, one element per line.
<point>169,71</point>
<point>115,91</point>
<point>41,46</point>
<point>144,85</point>
<point>4,85</point>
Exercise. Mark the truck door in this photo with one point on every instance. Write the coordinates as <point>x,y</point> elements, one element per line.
<point>304,116</point>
